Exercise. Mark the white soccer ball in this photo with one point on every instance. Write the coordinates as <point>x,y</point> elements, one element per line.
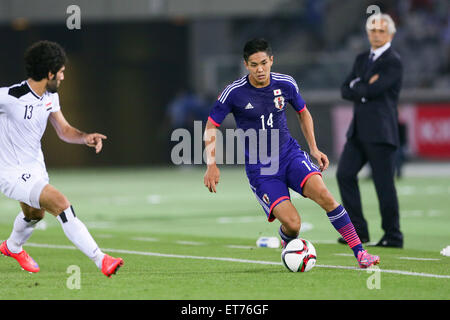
<point>299,255</point>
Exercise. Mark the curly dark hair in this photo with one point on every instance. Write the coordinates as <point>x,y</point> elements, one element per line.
<point>43,57</point>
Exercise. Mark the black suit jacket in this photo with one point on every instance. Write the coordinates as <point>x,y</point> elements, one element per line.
<point>375,114</point>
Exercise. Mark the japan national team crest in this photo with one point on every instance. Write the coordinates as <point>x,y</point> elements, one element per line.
<point>279,102</point>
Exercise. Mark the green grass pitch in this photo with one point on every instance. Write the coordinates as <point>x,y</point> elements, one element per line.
<point>181,242</point>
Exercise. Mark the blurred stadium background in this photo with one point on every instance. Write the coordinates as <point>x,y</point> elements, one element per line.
<point>138,69</point>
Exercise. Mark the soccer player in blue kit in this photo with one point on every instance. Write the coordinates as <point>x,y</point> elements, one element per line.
<point>258,102</point>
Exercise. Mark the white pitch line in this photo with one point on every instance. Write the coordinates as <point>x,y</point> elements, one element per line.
<point>166,255</point>
<point>418,259</point>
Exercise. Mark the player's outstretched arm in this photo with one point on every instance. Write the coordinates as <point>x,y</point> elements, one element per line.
<point>307,126</point>
<point>70,134</point>
<point>212,174</point>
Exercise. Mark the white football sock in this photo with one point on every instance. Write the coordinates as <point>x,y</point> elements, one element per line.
<point>77,232</point>
<point>21,232</point>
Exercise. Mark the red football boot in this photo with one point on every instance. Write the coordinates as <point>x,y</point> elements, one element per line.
<point>26,262</point>
<point>110,265</point>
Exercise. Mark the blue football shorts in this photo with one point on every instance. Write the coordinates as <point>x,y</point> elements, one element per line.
<point>271,190</point>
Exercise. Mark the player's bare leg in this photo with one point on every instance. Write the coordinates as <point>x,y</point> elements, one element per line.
<point>290,220</point>
<point>32,213</point>
<point>316,190</point>
<point>58,205</point>
<point>53,200</point>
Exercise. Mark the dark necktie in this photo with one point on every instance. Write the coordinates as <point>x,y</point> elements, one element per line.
<point>370,60</point>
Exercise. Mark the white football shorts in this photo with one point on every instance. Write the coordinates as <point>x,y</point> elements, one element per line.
<point>24,184</point>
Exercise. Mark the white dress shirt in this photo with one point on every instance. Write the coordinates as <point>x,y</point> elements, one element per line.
<point>379,51</point>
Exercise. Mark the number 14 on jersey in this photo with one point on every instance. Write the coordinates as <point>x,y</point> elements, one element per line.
<point>269,122</point>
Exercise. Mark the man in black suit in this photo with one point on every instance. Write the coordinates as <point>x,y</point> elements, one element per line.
<point>373,136</point>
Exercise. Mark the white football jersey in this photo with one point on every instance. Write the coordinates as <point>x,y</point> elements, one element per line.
<point>23,119</point>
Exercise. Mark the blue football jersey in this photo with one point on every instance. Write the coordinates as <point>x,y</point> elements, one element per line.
<point>260,109</point>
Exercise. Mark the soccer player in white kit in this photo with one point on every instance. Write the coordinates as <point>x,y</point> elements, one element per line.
<point>24,111</point>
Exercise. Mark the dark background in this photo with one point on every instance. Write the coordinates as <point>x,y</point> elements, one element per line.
<point>126,65</point>
<point>114,84</point>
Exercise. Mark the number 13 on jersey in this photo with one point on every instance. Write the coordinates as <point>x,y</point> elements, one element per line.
<point>28,112</point>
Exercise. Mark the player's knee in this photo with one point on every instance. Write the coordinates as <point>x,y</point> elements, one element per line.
<point>60,204</point>
<point>53,201</point>
<point>63,204</point>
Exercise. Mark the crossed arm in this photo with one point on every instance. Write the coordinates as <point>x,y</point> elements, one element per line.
<point>355,89</point>
<point>70,134</point>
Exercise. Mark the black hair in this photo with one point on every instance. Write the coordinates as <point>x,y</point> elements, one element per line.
<point>257,45</point>
<point>43,57</point>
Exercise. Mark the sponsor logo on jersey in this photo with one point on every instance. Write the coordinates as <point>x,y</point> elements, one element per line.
<point>266,198</point>
<point>248,106</point>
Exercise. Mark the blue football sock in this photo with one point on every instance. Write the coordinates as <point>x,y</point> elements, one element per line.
<point>341,222</point>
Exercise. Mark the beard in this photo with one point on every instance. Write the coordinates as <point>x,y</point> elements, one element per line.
<point>52,86</point>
